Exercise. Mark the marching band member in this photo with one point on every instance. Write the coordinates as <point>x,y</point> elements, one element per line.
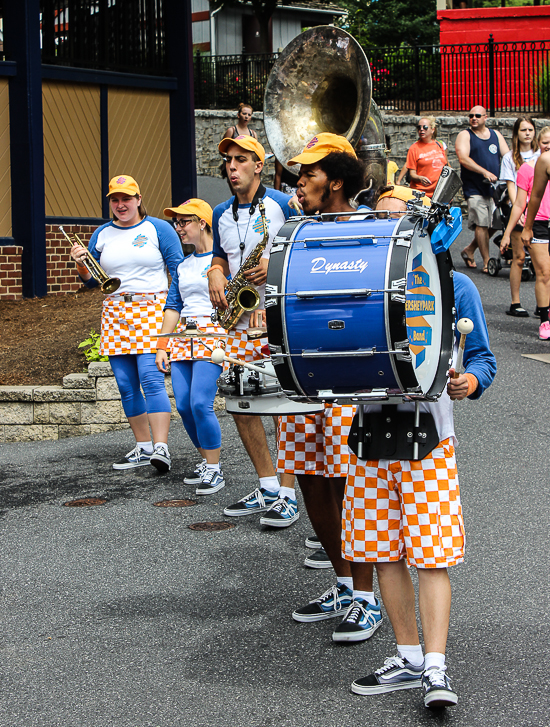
<point>194,376</point>
<point>238,230</point>
<point>408,512</point>
<point>137,249</point>
<point>314,448</point>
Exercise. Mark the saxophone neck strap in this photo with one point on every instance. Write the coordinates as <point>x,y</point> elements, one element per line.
<point>260,194</point>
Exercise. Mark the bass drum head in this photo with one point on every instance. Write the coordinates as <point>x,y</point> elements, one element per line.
<point>429,314</point>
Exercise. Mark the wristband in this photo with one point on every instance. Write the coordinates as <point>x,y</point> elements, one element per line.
<point>162,344</point>
<point>214,267</point>
<point>81,269</point>
<point>473,383</point>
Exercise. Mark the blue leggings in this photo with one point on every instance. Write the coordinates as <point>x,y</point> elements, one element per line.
<point>133,370</point>
<point>195,386</point>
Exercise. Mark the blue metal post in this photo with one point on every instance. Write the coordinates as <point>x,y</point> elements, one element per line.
<point>179,50</point>
<point>22,45</point>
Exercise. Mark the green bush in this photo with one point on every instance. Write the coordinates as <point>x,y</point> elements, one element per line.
<point>541,86</point>
<point>92,352</point>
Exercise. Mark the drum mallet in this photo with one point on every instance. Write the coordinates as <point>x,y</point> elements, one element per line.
<point>464,326</point>
<point>218,357</point>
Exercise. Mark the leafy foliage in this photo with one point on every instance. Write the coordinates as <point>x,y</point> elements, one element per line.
<point>391,22</point>
<point>92,352</point>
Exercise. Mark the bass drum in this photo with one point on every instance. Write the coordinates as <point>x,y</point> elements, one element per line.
<point>359,309</point>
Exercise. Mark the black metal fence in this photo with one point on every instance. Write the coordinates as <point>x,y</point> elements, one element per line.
<point>126,37</point>
<point>503,77</point>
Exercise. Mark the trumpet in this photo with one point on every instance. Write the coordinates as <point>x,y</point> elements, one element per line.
<point>108,285</point>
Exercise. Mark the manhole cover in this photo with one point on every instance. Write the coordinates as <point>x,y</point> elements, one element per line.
<point>176,503</point>
<point>86,502</point>
<point>211,527</point>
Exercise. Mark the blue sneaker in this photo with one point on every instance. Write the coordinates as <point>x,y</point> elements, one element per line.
<point>397,673</point>
<point>332,603</point>
<point>212,481</point>
<point>359,623</point>
<point>136,458</point>
<point>282,514</point>
<point>257,501</point>
<point>436,688</point>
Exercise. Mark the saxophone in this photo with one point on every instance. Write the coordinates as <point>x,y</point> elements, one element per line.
<point>241,295</point>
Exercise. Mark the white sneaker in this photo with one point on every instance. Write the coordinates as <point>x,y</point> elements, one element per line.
<point>161,458</point>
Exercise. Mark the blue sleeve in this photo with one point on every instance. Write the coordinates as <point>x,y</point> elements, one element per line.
<point>173,299</point>
<point>282,200</point>
<point>218,212</point>
<point>479,360</point>
<point>169,244</point>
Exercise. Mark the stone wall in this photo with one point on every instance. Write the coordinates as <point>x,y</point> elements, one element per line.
<point>86,404</point>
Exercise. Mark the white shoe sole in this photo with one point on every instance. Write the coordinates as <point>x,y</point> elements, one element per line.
<point>279,523</point>
<point>352,636</point>
<point>192,480</point>
<point>210,490</point>
<point>385,688</point>
<point>239,513</point>
<point>440,698</point>
<point>317,564</point>
<point>131,465</point>
<point>313,545</point>
<point>311,618</point>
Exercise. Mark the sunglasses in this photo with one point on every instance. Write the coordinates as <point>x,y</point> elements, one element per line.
<point>476,116</point>
<point>181,223</point>
<point>423,126</point>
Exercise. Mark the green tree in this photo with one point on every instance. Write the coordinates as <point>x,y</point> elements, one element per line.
<point>391,22</point>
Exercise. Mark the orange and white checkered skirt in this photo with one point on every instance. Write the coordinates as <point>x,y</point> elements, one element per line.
<point>188,349</point>
<point>126,327</point>
<point>317,444</point>
<point>238,345</point>
<point>402,508</point>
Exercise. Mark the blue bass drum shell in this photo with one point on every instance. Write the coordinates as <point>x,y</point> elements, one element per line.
<point>333,328</point>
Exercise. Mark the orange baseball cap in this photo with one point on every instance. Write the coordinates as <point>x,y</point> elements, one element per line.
<point>193,206</point>
<point>321,146</point>
<point>123,184</point>
<point>405,194</point>
<point>245,142</point>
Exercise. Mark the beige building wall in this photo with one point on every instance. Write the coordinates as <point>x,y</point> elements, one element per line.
<point>139,143</point>
<point>72,149</point>
<point>5,161</point>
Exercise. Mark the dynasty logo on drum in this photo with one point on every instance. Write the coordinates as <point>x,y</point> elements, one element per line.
<point>419,302</point>
<point>320,265</point>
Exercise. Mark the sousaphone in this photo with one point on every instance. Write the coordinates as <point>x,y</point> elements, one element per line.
<point>322,82</point>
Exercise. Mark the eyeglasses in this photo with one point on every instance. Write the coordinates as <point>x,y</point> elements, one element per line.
<point>423,126</point>
<point>476,116</point>
<point>181,223</point>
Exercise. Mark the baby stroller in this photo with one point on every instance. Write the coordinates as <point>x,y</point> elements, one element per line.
<point>500,220</point>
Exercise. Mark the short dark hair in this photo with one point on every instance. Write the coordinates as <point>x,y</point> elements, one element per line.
<point>341,165</point>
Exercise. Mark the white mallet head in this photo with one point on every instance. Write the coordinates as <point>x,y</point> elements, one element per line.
<point>218,355</point>
<point>465,326</point>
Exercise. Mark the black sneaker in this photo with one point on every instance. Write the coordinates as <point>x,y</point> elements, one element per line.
<point>281,514</point>
<point>436,688</point>
<point>257,501</point>
<point>212,481</point>
<point>359,623</point>
<point>313,542</point>
<point>517,312</point>
<point>136,458</point>
<point>160,459</point>
<point>319,559</point>
<point>195,477</point>
<point>330,604</point>
<point>397,673</point>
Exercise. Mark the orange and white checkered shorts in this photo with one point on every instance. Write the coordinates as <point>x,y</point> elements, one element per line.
<point>238,345</point>
<point>316,444</point>
<point>394,509</point>
<point>188,349</point>
<point>126,327</point>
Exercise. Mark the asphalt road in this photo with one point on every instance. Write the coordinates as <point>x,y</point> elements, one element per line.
<point>122,616</point>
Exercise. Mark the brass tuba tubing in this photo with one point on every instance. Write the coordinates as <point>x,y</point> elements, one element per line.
<point>108,285</point>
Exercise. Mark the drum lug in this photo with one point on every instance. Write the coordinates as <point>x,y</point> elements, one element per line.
<point>403,347</point>
<point>399,286</point>
<point>403,241</point>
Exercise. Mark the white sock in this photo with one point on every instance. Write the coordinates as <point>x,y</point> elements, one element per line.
<point>345,581</point>
<point>146,446</point>
<point>289,492</point>
<point>367,596</point>
<point>412,654</point>
<point>162,444</point>
<point>212,466</point>
<point>271,484</point>
<point>434,658</point>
